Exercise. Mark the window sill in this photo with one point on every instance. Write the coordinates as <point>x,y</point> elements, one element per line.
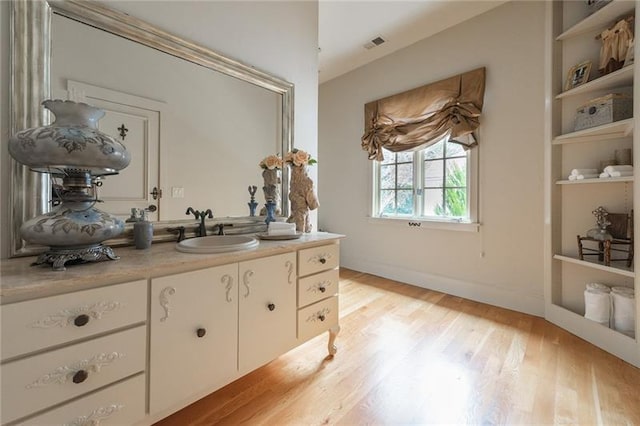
<point>427,224</point>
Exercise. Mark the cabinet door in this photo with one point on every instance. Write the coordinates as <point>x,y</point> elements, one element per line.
<point>267,309</point>
<point>193,334</point>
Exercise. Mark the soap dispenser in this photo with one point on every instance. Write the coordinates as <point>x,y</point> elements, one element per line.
<point>142,232</point>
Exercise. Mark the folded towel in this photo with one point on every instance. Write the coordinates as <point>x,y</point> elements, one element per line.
<point>576,172</point>
<point>620,174</point>
<point>587,176</point>
<point>281,228</point>
<point>598,288</point>
<point>604,175</point>
<point>281,225</point>
<point>624,310</point>
<point>573,177</point>
<point>624,168</point>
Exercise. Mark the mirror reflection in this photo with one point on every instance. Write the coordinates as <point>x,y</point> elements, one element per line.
<point>195,135</point>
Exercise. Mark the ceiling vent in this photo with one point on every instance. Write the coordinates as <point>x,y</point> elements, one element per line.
<point>373,43</point>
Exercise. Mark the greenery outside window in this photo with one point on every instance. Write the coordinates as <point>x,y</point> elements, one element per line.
<point>437,183</point>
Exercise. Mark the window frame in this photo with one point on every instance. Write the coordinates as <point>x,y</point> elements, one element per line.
<point>418,194</point>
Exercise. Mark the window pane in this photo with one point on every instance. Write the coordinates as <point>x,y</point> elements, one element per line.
<point>405,202</point>
<point>433,174</point>
<point>389,157</point>
<point>387,202</point>
<point>455,150</point>
<point>433,202</point>
<point>405,157</point>
<point>405,175</point>
<point>434,151</point>
<point>388,176</point>
<point>456,202</point>
<point>456,172</point>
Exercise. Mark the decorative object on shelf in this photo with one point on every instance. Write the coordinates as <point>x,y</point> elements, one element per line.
<point>616,171</point>
<point>252,203</point>
<point>597,303</point>
<point>613,233</point>
<point>603,110</point>
<point>595,5</point>
<point>615,45</point>
<point>271,166</point>
<point>270,208</point>
<point>580,174</point>
<point>301,192</point>
<point>73,149</point>
<point>623,156</point>
<point>577,75</point>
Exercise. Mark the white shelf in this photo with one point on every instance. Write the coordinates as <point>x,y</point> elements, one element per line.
<point>622,77</point>
<point>616,130</point>
<point>625,272</point>
<point>596,180</point>
<point>599,19</point>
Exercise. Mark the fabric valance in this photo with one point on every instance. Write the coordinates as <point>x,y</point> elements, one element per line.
<point>422,116</point>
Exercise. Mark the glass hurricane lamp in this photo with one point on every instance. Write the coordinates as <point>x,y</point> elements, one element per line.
<point>73,149</point>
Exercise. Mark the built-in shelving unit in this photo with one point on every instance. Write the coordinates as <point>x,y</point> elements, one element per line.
<point>569,205</point>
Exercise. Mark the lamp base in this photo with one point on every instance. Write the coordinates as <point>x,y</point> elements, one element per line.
<point>58,257</point>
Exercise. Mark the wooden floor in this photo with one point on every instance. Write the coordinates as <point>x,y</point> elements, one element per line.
<point>413,356</point>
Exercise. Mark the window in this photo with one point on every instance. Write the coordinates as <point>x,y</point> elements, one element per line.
<point>435,183</point>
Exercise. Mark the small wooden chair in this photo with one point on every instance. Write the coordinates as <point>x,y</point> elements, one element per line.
<point>621,229</point>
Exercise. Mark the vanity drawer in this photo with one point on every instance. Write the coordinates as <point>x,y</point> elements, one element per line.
<point>40,381</point>
<point>317,287</point>
<point>318,259</point>
<point>317,318</point>
<point>41,323</point>
<point>120,404</point>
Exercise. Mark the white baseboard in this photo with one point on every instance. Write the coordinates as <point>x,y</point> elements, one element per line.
<point>505,298</point>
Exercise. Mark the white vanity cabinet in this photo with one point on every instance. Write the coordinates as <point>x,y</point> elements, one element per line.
<point>183,326</point>
<point>267,309</point>
<point>194,334</point>
<point>62,347</point>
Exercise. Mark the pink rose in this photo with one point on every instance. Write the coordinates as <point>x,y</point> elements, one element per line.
<point>271,162</point>
<point>300,158</point>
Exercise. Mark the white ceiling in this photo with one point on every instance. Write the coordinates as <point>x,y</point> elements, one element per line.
<point>346,25</point>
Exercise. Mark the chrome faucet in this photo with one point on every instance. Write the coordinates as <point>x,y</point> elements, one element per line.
<point>201,216</point>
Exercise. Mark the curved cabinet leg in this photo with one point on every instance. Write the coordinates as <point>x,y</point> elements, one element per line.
<point>333,333</point>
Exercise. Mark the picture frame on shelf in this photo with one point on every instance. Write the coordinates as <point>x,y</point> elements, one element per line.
<point>578,75</point>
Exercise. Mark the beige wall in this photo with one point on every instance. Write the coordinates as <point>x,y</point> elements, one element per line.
<point>277,37</point>
<point>502,263</point>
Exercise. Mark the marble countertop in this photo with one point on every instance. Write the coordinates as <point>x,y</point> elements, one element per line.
<point>20,281</point>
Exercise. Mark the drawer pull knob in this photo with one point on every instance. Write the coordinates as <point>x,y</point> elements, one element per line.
<point>201,332</point>
<point>323,260</point>
<point>271,306</point>
<point>81,320</point>
<point>321,317</point>
<point>322,289</point>
<point>80,376</point>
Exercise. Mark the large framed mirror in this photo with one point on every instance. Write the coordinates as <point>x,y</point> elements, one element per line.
<point>206,120</point>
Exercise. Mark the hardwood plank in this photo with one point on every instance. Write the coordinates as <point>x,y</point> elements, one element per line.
<point>411,355</point>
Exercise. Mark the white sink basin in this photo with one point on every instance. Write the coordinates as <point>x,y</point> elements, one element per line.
<point>217,244</point>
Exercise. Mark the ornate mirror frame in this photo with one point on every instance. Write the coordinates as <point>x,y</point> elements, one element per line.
<point>30,29</point>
